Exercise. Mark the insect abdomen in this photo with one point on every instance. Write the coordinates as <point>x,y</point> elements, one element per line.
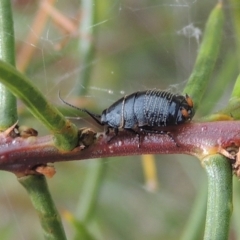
<point>156,107</point>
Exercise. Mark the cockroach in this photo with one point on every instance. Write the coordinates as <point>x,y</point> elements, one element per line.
<point>145,111</point>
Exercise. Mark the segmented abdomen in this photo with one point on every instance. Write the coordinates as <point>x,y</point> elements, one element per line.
<point>156,107</point>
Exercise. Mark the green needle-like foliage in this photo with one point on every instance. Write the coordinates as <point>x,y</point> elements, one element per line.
<point>219,206</point>
<point>66,134</point>
<point>8,106</point>
<point>40,196</point>
<point>207,56</point>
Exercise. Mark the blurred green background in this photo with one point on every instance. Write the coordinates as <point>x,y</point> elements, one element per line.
<point>139,44</point>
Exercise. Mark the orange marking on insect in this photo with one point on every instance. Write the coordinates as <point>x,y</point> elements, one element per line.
<point>189,101</point>
<point>185,113</point>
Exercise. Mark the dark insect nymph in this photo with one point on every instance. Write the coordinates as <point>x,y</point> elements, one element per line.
<point>145,111</point>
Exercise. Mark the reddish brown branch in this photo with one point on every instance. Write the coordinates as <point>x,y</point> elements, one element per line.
<point>199,139</point>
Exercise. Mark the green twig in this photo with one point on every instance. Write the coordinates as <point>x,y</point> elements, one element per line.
<point>95,169</point>
<point>40,196</point>
<point>234,103</point>
<point>90,192</point>
<point>195,224</point>
<point>219,205</point>
<point>236,212</point>
<point>82,232</point>
<point>225,76</point>
<point>236,89</point>
<point>20,86</point>
<point>65,132</point>
<point>8,106</point>
<point>233,107</point>
<point>207,56</point>
<point>236,23</point>
<point>86,43</point>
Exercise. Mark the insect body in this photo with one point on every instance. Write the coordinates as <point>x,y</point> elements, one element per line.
<point>145,111</point>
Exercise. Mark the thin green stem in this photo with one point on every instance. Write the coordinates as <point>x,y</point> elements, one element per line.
<point>207,56</point>
<point>87,42</point>
<point>66,133</point>
<point>195,224</point>
<point>90,192</point>
<point>236,23</point>
<point>225,76</point>
<point>236,212</point>
<point>95,169</point>
<point>236,89</point>
<point>40,196</point>
<point>219,205</point>
<point>82,232</point>
<point>8,106</point>
<point>234,103</point>
<point>233,107</point>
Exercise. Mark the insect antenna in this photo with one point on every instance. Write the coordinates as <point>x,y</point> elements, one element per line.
<point>94,116</point>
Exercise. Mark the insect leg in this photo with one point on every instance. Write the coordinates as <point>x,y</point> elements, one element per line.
<point>115,133</point>
<point>122,113</point>
<point>136,133</point>
<point>126,129</point>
